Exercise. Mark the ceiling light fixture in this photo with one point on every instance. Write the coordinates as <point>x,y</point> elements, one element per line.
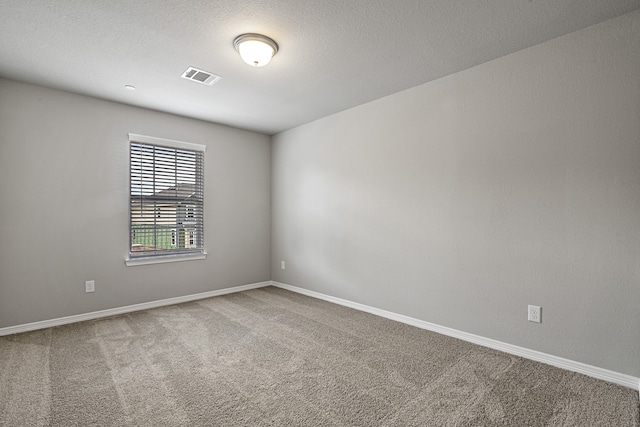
<point>255,49</point>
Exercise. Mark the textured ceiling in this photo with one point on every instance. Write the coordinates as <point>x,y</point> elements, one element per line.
<point>334,54</point>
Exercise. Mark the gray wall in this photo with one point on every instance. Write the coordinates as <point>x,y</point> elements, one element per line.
<point>64,206</point>
<point>461,201</point>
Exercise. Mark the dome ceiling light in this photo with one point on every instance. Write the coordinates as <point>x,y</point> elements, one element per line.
<point>255,49</point>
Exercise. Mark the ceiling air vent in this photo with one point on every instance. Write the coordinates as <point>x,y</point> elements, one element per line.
<point>200,76</point>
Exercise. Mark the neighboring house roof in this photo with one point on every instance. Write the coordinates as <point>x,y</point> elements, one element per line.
<point>182,191</point>
<point>176,193</point>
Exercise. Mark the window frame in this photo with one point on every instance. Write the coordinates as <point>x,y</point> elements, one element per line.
<point>171,256</point>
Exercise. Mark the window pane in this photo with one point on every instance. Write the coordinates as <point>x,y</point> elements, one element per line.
<point>166,211</point>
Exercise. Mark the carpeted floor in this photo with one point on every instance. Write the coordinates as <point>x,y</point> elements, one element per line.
<point>269,357</point>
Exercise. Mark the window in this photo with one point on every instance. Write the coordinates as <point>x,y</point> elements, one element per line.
<point>190,212</point>
<point>166,200</point>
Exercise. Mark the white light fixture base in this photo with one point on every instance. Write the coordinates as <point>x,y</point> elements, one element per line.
<point>255,49</point>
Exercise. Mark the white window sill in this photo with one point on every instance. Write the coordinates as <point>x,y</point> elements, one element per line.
<point>130,262</point>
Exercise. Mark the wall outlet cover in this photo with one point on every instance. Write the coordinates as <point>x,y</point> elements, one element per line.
<point>535,314</point>
<point>90,286</point>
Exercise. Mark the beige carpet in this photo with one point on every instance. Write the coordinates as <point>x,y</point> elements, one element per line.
<point>269,357</point>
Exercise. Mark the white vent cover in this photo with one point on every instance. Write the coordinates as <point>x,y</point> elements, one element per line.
<point>200,76</point>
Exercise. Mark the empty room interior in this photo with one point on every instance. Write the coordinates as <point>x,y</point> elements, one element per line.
<point>338,213</point>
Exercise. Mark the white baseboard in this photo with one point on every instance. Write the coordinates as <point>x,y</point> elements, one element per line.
<point>126,309</point>
<point>582,368</point>
<point>559,362</point>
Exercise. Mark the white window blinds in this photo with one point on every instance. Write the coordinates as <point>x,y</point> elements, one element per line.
<point>166,197</point>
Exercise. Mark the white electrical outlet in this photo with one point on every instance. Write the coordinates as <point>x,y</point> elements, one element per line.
<point>535,314</point>
<point>90,286</point>
<point>282,266</point>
